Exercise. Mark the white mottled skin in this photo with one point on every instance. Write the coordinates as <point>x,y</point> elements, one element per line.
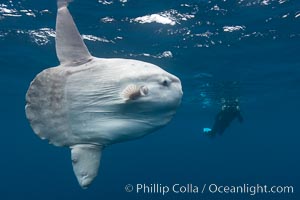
<point>93,109</point>
<point>79,104</point>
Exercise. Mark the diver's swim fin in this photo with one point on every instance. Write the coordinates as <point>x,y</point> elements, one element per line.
<point>206,130</point>
<point>209,132</point>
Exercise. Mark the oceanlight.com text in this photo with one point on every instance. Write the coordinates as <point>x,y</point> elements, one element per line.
<point>164,189</point>
<point>250,189</point>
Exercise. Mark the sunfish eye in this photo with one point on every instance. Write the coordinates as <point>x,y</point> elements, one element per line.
<point>165,82</point>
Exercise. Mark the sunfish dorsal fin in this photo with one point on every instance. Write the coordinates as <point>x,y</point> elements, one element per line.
<point>70,48</point>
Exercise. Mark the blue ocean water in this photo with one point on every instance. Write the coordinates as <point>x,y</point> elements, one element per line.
<point>245,49</point>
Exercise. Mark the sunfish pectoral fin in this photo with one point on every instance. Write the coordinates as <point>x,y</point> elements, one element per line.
<point>133,92</point>
<point>85,161</point>
<point>70,48</point>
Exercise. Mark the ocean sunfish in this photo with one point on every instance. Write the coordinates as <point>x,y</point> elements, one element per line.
<point>87,103</point>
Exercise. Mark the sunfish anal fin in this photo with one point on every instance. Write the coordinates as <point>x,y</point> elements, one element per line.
<point>70,48</point>
<point>86,161</point>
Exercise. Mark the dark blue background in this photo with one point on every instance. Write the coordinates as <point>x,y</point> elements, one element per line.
<point>265,68</point>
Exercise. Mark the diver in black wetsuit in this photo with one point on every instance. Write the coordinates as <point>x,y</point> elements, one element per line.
<point>230,111</point>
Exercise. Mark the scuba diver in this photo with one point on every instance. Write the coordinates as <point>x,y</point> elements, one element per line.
<point>230,110</point>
